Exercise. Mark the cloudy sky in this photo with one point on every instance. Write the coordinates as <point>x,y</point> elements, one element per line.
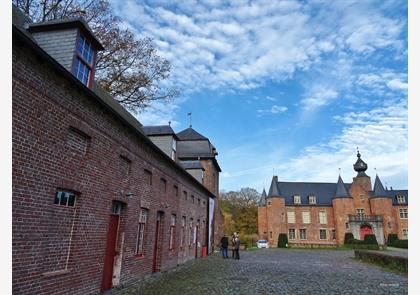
<point>285,87</point>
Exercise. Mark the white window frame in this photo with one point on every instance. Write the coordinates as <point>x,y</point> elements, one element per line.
<point>292,230</point>
<point>405,233</point>
<point>323,217</point>
<point>306,217</point>
<point>300,234</point>
<point>400,199</point>
<point>403,213</point>
<point>172,233</point>
<point>291,217</point>
<point>326,234</point>
<point>312,200</point>
<point>296,199</point>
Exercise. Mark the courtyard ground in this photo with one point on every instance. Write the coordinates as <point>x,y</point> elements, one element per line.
<point>275,271</point>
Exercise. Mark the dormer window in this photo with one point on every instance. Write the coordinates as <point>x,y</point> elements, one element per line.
<point>312,200</point>
<point>85,58</point>
<point>401,199</point>
<point>296,199</point>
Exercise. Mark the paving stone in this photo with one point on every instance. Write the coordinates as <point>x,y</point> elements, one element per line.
<point>274,271</point>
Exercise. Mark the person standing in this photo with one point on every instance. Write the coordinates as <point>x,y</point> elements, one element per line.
<point>224,242</point>
<point>236,247</point>
<point>233,245</point>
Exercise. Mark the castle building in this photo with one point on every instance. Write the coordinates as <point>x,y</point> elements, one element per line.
<point>97,201</point>
<point>312,213</point>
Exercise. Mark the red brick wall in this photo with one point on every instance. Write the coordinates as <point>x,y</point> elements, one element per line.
<point>45,107</point>
<point>400,222</point>
<point>262,223</point>
<point>383,207</point>
<point>342,207</point>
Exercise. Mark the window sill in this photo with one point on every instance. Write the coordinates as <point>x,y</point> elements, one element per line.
<point>55,273</point>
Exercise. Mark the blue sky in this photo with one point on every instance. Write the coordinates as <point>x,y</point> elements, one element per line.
<point>286,86</point>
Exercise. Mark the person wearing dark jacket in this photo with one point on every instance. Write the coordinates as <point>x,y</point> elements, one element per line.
<point>236,248</point>
<point>224,242</point>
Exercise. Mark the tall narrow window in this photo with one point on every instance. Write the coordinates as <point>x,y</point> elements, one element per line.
<point>333,234</point>
<point>125,166</point>
<point>163,185</point>
<point>322,217</point>
<point>302,233</point>
<point>185,195</point>
<point>175,191</point>
<point>322,234</point>
<point>182,240</point>
<point>148,175</point>
<point>290,217</point>
<point>141,232</point>
<point>85,56</point>
<point>405,233</point>
<point>292,234</point>
<point>191,233</point>
<point>172,233</point>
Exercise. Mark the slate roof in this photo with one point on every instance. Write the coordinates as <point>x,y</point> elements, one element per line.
<point>64,24</point>
<point>190,134</point>
<point>191,165</point>
<point>158,130</point>
<point>323,191</point>
<point>261,203</point>
<point>341,190</point>
<point>378,189</point>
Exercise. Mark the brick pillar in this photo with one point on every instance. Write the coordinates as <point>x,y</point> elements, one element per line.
<point>342,207</point>
<point>383,207</point>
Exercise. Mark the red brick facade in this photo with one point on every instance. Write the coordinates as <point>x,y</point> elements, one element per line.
<point>64,139</point>
<point>381,213</point>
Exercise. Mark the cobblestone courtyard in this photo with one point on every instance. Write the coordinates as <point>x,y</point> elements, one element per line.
<point>275,271</point>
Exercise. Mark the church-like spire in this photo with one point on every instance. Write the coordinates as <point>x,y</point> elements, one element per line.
<point>274,190</point>
<point>262,200</point>
<point>378,189</point>
<point>341,190</point>
<point>360,166</point>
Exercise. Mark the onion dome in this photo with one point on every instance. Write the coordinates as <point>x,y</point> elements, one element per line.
<point>360,166</point>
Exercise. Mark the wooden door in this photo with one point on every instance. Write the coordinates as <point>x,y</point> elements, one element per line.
<point>157,252</point>
<point>110,252</point>
<point>365,230</point>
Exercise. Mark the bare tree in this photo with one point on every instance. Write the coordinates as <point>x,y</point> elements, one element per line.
<point>129,68</point>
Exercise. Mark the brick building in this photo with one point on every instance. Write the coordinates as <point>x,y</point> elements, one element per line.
<point>321,213</point>
<point>96,204</point>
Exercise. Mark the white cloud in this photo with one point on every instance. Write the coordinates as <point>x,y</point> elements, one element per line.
<point>275,109</point>
<point>319,96</point>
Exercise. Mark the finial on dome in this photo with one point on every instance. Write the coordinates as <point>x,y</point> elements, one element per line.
<point>360,166</point>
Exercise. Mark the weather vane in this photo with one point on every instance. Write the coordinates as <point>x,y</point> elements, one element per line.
<point>190,114</point>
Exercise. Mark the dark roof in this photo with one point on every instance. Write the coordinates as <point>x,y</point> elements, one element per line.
<point>394,193</point>
<point>158,130</point>
<point>341,191</point>
<point>19,18</point>
<point>105,101</point>
<point>324,192</point>
<point>190,134</point>
<point>378,189</point>
<point>66,23</point>
<point>191,165</point>
<point>261,203</point>
<point>274,190</point>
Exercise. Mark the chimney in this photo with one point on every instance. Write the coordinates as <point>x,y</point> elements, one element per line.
<point>71,43</point>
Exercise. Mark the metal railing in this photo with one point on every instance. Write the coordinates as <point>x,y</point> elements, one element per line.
<point>368,218</point>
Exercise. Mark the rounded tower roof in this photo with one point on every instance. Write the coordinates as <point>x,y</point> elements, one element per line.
<point>360,166</point>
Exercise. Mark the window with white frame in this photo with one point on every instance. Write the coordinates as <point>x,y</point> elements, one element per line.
<point>403,213</point>
<point>322,234</point>
<point>172,233</point>
<point>291,217</point>
<point>182,240</point>
<point>306,217</point>
<point>401,199</point>
<point>312,200</point>
<point>296,199</point>
<point>360,212</point>
<point>191,233</point>
<point>141,232</point>
<point>405,233</point>
<point>65,198</point>
<point>292,234</point>
<point>322,217</point>
<point>302,233</point>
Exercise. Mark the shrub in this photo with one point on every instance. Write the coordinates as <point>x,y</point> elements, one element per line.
<point>282,242</point>
<point>401,244</point>
<point>348,238</point>
<point>370,240</point>
<point>391,239</point>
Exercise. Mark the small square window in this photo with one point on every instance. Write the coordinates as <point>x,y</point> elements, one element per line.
<point>296,199</point>
<point>312,200</point>
<point>404,213</point>
<point>405,233</point>
<point>65,198</point>
<point>401,199</point>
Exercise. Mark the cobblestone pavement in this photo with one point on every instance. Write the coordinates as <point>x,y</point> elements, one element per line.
<point>275,271</point>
